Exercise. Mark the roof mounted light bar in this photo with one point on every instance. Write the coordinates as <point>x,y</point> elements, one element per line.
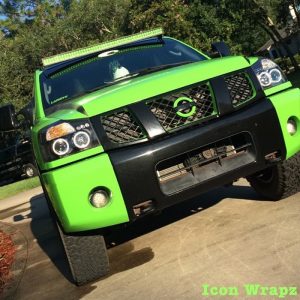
<point>101,47</point>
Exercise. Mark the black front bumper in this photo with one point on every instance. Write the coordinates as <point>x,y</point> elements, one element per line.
<point>136,165</point>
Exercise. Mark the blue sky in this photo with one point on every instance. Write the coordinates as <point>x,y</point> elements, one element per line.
<point>1,16</point>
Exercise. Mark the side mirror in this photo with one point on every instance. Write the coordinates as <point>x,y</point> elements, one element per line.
<point>26,115</point>
<point>220,49</point>
<point>8,119</point>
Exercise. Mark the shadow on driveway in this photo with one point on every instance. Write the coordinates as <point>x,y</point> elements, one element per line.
<point>178,212</point>
<point>123,257</point>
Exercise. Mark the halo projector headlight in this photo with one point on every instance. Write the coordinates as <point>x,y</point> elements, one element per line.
<point>268,73</point>
<point>264,79</point>
<point>276,75</point>
<point>81,139</point>
<point>65,138</point>
<point>60,147</point>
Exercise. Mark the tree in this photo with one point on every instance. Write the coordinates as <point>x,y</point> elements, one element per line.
<point>284,14</point>
<point>33,29</point>
<point>172,15</point>
<point>258,12</point>
<point>36,29</point>
<point>199,22</point>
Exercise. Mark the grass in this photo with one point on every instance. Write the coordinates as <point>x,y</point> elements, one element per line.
<point>18,187</point>
<point>295,78</point>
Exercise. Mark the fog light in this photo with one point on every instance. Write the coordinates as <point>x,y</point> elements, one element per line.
<point>291,126</point>
<point>99,198</point>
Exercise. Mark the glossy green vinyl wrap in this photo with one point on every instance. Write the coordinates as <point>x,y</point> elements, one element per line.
<point>287,105</point>
<point>125,93</point>
<point>140,88</point>
<point>70,180</point>
<point>69,189</point>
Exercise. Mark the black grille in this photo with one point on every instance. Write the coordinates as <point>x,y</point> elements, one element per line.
<point>120,127</point>
<point>240,88</point>
<point>163,108</point>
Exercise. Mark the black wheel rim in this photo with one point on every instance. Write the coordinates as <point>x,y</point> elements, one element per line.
<point>29,171</point>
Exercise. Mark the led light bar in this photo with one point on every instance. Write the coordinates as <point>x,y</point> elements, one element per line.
<point>101,47</point>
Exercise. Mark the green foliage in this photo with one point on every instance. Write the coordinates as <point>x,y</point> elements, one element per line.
<point>201,22</point>
<point>172,15</point>
<point>47,28</point>
<point>33,29</point>
<point>283,15</point>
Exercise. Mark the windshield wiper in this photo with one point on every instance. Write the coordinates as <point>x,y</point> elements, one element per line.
<point>162,67</point>
<point>127,76</point>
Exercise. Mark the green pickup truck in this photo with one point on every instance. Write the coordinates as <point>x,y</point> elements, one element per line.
<point>129,127</point>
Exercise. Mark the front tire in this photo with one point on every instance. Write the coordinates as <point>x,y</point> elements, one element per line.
<point>86,252</point>
<point>279,181</point>
<point>87,256</point>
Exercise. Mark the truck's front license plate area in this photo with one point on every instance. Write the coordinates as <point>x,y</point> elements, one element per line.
<point>188,169</point>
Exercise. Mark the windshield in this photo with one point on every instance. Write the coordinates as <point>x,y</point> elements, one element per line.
<point>110,67</point>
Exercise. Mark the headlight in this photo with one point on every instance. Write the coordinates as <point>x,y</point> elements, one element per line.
<point>81,139</point>
<point>60,147</point>
<point>268,73</point>
<point>67,138</point>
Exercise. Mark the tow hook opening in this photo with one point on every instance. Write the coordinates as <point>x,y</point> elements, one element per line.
<point>273,157</point>
<point>143,208</point>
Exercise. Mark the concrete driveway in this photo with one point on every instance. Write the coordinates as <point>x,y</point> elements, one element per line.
<point>225,238</point>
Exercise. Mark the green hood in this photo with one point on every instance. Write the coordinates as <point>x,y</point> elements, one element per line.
<point>147,86</point>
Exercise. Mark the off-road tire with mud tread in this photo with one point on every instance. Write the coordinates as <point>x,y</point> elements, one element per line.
<point>279,181</point>
<point>87,256</point>
<point>86,251</point>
